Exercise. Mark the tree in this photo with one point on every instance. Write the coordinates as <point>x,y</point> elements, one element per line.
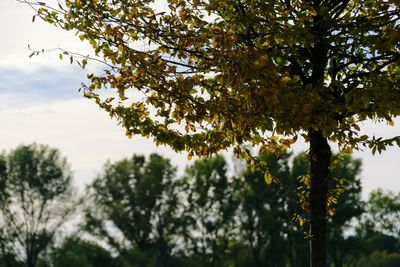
<point>78,252</point>
<point>267,212</point>
<point>378,229</point>
<point>134,209</point>
<point>36,195</point>
<point>211,202</point>
<point>381,259</point>
<point>383,212</point>
<point>237,71</point>
<point>343,249</point>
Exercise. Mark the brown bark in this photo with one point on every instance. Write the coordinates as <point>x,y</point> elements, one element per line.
<point>320,158</point>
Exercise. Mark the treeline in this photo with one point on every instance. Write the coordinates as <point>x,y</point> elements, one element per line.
<point>139,213</point>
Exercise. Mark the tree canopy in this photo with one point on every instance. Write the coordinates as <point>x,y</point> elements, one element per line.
<point>36,199</point>
<point>231,72</point>
<point>135,208</point>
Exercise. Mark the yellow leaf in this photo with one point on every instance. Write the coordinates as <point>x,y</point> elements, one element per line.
<point>265,44</point>
<point>285,80</point>
<point>119,79</point>
<point>268,177</point>
<point>331,212</point>
<point>313,12</point>
<point>216,30</point>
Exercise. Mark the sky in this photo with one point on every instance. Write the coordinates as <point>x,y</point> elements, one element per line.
<point>40,102</point>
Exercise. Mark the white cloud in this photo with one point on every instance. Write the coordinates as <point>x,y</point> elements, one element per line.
<point>83,133</point>
<point>18,32</point>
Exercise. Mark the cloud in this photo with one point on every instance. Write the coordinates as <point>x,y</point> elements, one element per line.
<point>21,88</point>
<point>44,106</point>
<point>18,31</point>
<point>87,136</point>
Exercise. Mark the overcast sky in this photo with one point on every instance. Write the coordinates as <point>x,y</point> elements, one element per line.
<point>40,102</point>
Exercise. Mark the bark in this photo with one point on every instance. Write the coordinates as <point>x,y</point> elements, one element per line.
<point>320,157</point>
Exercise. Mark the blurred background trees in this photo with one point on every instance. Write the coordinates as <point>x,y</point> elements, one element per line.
<point>135,207</point>
<point>140,212</point>
<point>36,200</point>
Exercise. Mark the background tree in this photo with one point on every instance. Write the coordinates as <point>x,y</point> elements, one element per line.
<point>213,215</point>
<point>381,259</point>
<point>343,248</point>
<point>383,212</point>
<point>267,213</point>
<point>36,193</point>
<point>8,257</point>
<point>236,71</point>
<point>378,230</point>
<point>211,202</point>
<point>78,252</point>
<point>135,209</point>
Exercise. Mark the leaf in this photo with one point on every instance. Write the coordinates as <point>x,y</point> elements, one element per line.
<point>268,177</point>
<point>313,12</point>
<point>331,212</point>
<point>109,100</point>
<point>285,80</point>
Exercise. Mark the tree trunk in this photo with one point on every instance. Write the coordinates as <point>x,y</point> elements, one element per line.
<point>320,157</point>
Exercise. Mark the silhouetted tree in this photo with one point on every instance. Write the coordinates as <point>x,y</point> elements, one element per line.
<point>209,211</point>
<point>36,199</point>
<point>80,253</point>
<point>135,209</point>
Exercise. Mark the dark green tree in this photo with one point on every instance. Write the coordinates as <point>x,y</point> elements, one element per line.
<point>383,211</point>
<point>344,250</point>
<point>211,202</point>
<point>36,199</point>
<point>381,259</point>
<point>215,217</point>
<point>378,230</point>
<point>268,211</point>
<point>78,252</point>
<point>135,209</point>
